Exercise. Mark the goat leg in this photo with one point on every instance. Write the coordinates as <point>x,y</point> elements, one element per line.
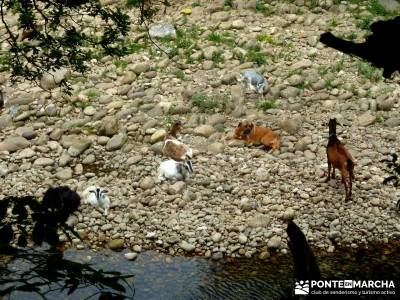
<point>329,171</point>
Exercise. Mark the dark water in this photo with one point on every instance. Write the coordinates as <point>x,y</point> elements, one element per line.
<point>158,276</point>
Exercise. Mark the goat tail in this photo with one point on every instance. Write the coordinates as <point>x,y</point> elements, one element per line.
<point>350,168</point>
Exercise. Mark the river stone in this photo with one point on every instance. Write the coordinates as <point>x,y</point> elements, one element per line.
<point>187,246</point>
<point>216,148</point>
<point>26,153</point>
<point>130,255</point>
<point>75,144</point>
<point>274,242</point>
<point>216,237</point>
<point>116,142</point>
<point>14,143</point>
<point>288,215</point>
<point>43,161</point>
<point>366,119</point>
<point>52,79</point>
<point>116,244</point>
<point>64,174</point>
<point>109,126</point>
<point>242,238</point>
<point>204,130</point>
<point>259,220</point>
<point>146,183</point>
<point>176,188</point>
<point>3,170</point>
<point>157,136</point>
<point>164,30</point>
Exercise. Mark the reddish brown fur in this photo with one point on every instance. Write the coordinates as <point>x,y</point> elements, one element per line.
<point>339,158</point>
<point>175,130</point>
<point>257,135</point>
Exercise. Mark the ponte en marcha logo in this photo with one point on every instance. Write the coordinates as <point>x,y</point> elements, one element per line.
<point>349,287</point>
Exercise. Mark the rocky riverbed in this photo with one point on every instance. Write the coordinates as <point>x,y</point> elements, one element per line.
<point>110,133</point>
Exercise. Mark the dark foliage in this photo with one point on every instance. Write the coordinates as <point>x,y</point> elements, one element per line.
<point>305,265</point>
<point>49,272</point>
<point>40,221</point>
<point>56,34</point>
<point>378,48</point>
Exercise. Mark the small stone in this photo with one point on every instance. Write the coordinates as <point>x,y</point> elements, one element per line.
<point>14,143</point>
<point>216,237</point>
<point>43,161</point>
<point>116,244</point>
<point>146,183</point>
<point>187,246</point>
<point>176,188</point>
<point>242,238</point>
<point>288,215</point>
<point>89,111</point>
<point>116,142</point>
<point>130,255</point>
<point>64,174</point>
<point>204,130</point>
<point>274,242</point>
<point>216,148</point>
<point>238,24</point>
<point>158,136</point>
<point>109,126</point>
<point>366,119</point>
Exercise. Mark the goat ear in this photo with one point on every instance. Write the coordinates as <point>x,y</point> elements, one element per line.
<point>240,124</point>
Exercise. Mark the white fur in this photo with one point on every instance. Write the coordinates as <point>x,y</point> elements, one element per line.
<point>174,170</point>
<point>97,197</point>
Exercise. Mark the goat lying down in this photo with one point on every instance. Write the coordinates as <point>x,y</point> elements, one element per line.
<point>175,149</point>
<point>339,158</point>
<point>97,197</point>
<point>175,170</point>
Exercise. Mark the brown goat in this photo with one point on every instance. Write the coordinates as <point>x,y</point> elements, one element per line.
<point>256,135</point>
<point>339,158</point>
<point>173,148</point>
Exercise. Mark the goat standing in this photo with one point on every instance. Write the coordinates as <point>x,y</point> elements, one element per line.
<point>339,158</point>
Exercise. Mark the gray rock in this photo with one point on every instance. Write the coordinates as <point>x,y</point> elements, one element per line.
<point>43,161</point>
<point>242,238</point>
<point>390,5</point>
<point>274,242</point>
<point>157,136</point>
<point>5,121</point>
<point>116,142</point>
<point>26,153</point>
<point>64,174</point>
<point>386,105</point>
<point>291,125</point>
<point>130,255</point>
<point>165,30</point>
<point>204,130</point>
<point>392,122</point>
<point>290,92</point>
<point>176,188</point>
<point>216,237</point>
<point>109,126</point>
<point>53,79</point>
<point>140,67</point>
<point>116,244</point>
<point>187,246</point>
<point>259,220</point>
<point>3,170</point>
<point>56,134</point>
<point>289,214</point>
<point>14,143</point>
<point>65,158</point>
<point>216,148</point>
<point>366,119</point>
<point>146,183</point>
<point>89,159</point>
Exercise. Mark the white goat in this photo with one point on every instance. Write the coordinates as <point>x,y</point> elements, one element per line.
<point>97,197</point>
<point>255,81</point>
<point>175,170</point>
